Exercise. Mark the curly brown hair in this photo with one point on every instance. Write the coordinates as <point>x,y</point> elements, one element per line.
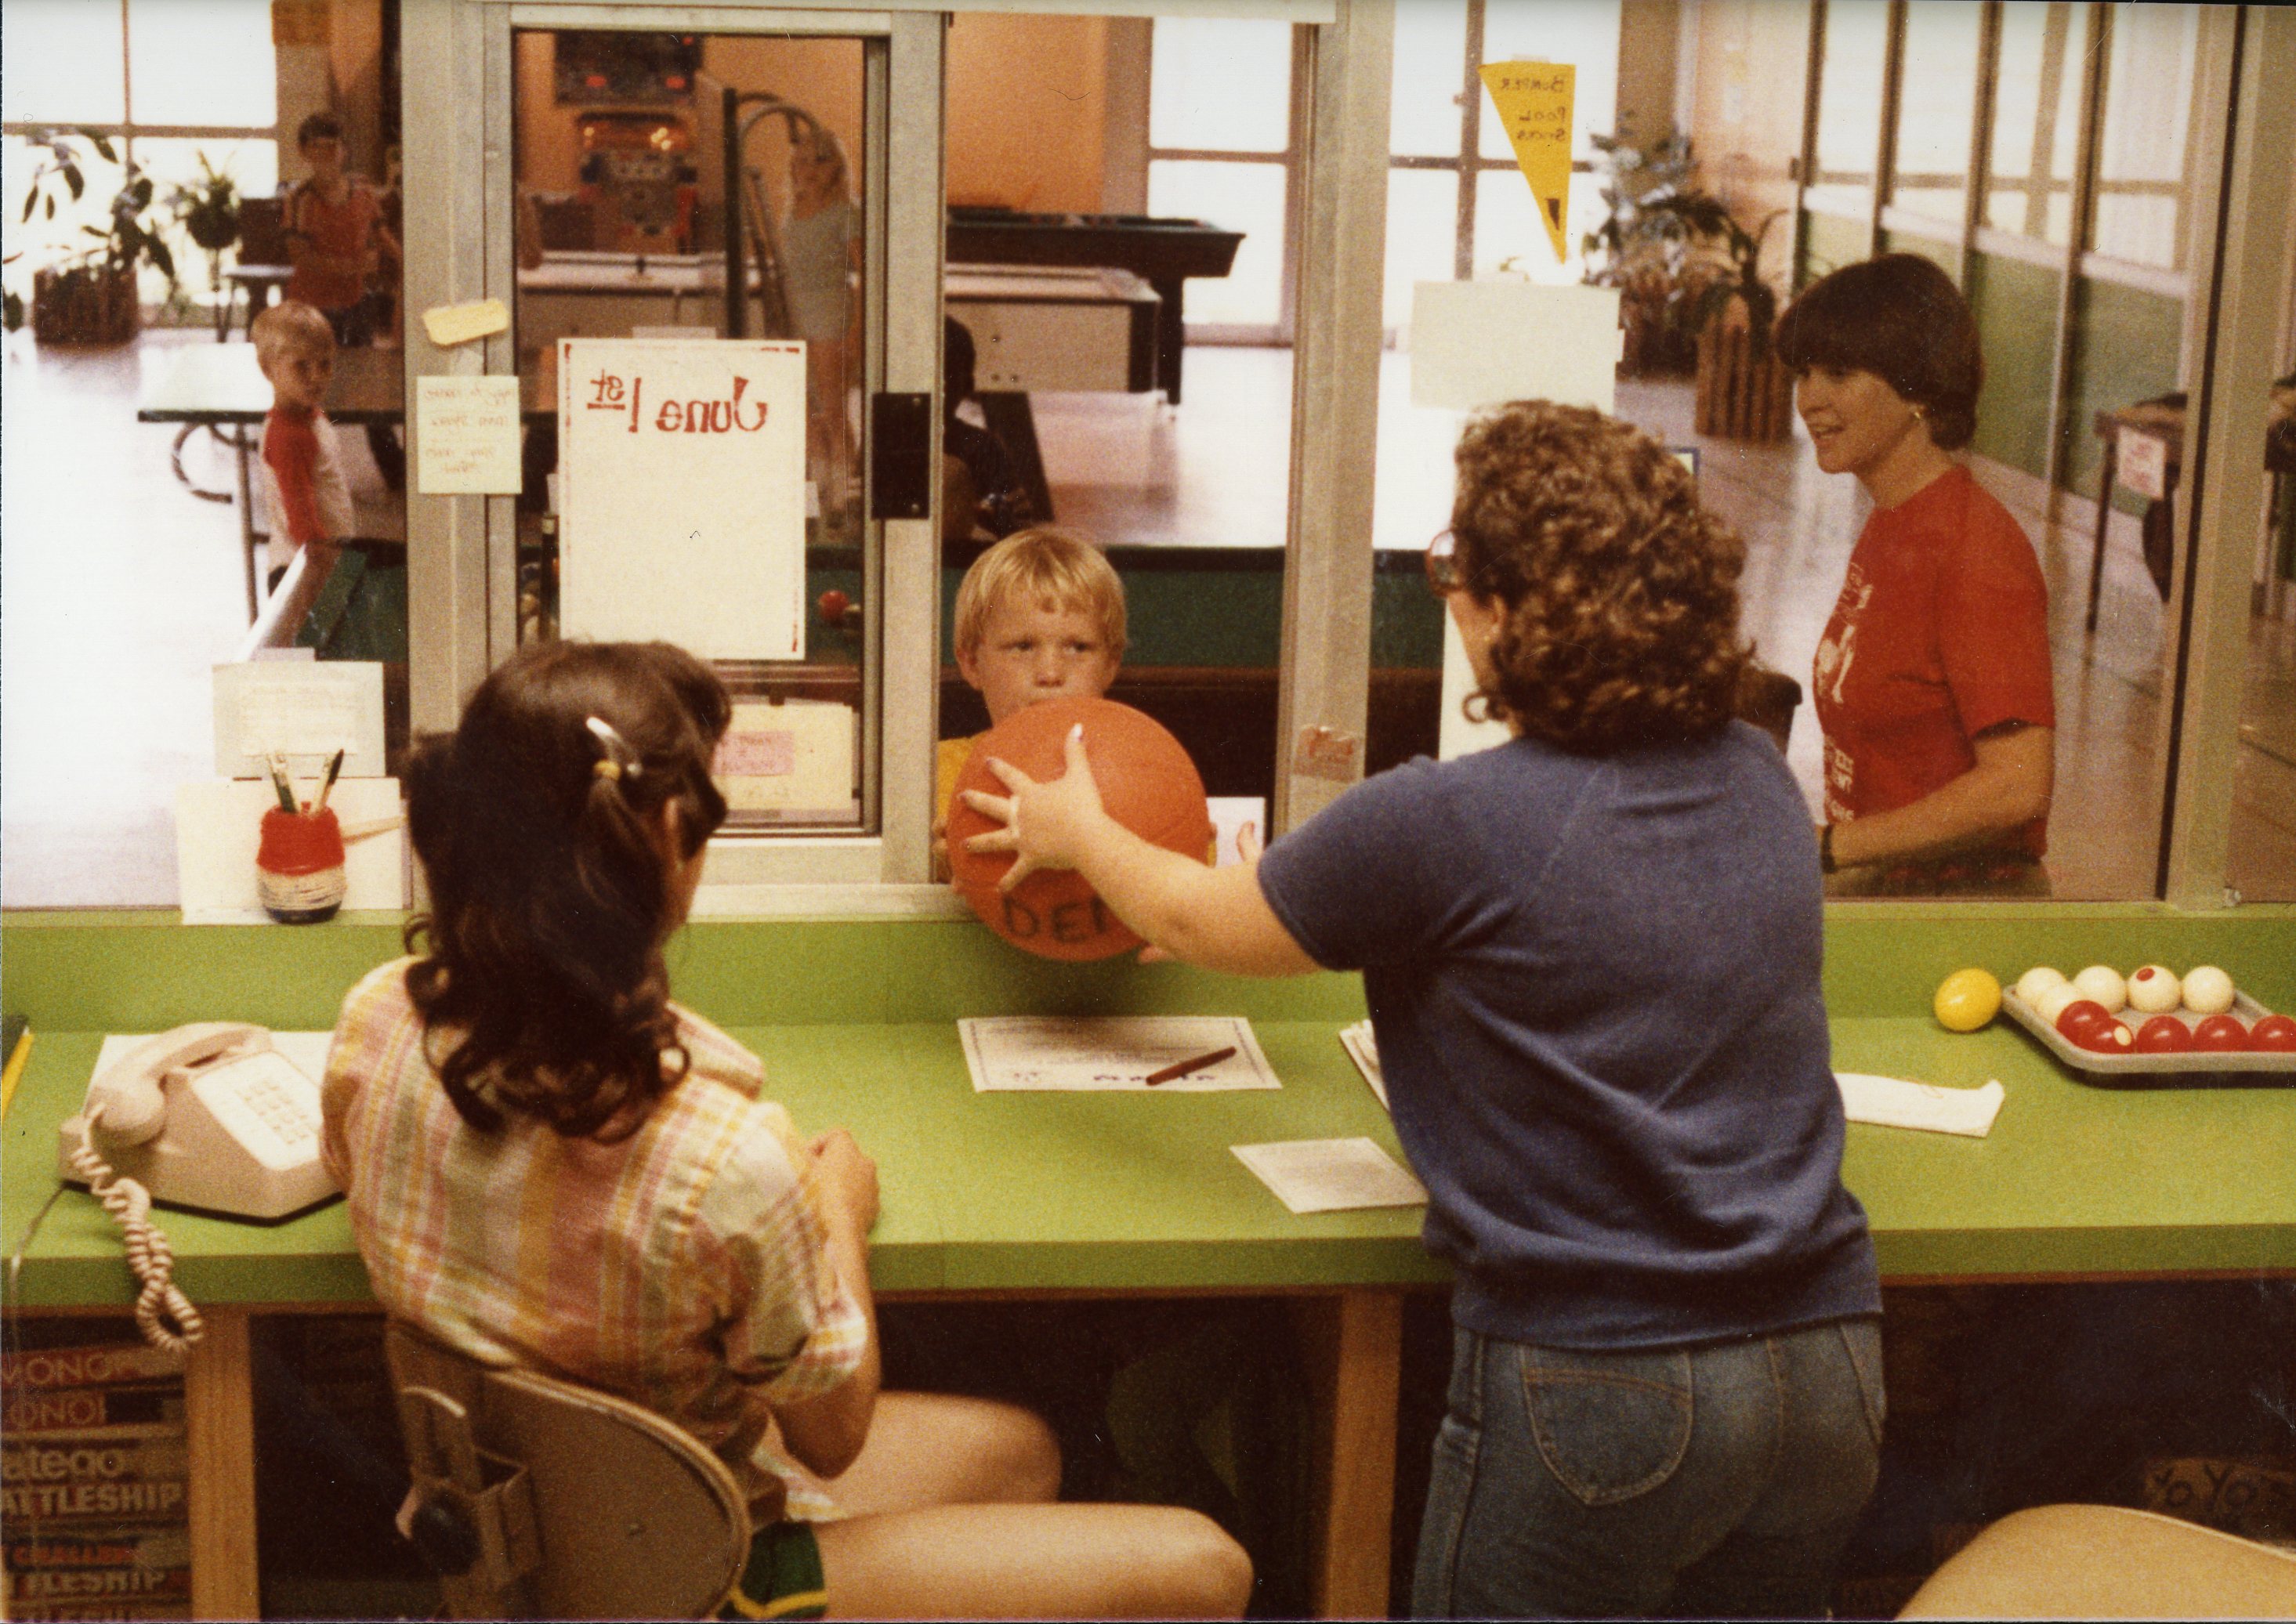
<point>551,891</point>
<point>1620,593</point>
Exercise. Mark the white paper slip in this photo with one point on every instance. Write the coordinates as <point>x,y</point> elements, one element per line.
<point>1087,1053</point>
<point>1892,1102</point>
<point>1332,1175</point>
<point>1363,1050</point>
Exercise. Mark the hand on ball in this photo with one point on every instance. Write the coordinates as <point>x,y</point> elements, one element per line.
<point>1047,825</point>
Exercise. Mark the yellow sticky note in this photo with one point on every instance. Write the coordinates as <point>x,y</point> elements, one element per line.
<point>450,324</point>
<point>1534,100</point>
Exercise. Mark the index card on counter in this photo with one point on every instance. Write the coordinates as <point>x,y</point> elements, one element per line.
<point>681,487</point>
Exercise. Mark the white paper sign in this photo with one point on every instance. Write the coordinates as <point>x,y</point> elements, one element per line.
<point>466,436</point>
<point>1478,343</point>
<point>681,493</point>
<point>305,709</point>
<point>2143,464</point>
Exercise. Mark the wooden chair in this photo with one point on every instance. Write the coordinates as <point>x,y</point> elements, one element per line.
<point>2105,1562</point>
<point>538,1499</point>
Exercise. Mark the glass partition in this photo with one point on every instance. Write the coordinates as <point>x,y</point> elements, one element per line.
<point>1930,171</point>
<point>2143,142</point>
<point>655,170</point>
<point>1849,106</point>
<point>2037,117</point>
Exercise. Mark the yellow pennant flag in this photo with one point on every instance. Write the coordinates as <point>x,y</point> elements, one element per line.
<point>1534,100</point>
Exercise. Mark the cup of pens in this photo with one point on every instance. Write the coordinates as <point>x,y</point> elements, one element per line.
<point>298,864</point>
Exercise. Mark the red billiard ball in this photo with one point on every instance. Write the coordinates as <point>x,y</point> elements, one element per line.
<point>2105,1037</point>
<point>2163,1034</point>
<point>2080,1016</point>
<point>2274,1034</point>
<point>2220,1034</point>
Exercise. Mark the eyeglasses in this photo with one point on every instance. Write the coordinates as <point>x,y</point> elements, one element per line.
<point>1445,573</point>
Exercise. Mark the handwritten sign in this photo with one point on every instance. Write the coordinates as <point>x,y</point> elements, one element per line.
<point>2143,464</point>
<point>1534,100</point>
<point>681,493</point>
<point>466,436</point>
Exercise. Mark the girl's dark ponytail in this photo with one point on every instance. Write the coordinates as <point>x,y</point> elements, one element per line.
<point>551,825</point>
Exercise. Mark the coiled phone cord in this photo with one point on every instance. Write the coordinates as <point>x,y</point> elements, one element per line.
<point>163,1313</point>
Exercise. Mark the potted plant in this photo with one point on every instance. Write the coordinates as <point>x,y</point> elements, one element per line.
<point>88,296</point>
<point>1744,392</point>
<point>209,213</point>
<point>1644,247</point>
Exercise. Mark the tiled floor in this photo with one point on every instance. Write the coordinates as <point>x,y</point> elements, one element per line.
<point>119,591</point>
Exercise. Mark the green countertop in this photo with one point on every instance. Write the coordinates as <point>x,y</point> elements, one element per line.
<point>1113,1192</point>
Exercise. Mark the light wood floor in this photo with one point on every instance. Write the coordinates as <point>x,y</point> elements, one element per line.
<point>119,591</point>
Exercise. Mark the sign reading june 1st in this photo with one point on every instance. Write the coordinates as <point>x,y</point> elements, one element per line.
<point>681,489</point>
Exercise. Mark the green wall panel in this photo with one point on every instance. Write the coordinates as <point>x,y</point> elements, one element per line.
<point>2125,346</point>
<point>2016,306</point>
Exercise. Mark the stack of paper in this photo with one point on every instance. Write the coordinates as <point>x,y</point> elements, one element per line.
<point>1332,1175</point>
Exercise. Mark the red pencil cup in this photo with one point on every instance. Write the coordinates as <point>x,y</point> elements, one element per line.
<point>299,867</point>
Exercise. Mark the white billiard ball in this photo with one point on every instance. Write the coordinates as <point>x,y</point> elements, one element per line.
<point>2208,991</point>
<point>2102,982</point>
<point>2037,981</point>
<point>2154,990</point>
<point>2051,1003</point>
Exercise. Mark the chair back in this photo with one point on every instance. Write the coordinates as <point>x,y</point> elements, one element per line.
<point>262,232</point>
<point>553,1500</point>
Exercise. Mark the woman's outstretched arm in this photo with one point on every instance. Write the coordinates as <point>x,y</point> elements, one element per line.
<point>1215,917</point>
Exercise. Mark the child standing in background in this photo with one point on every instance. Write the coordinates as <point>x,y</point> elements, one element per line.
<point>821,254</point>
<point>551,1165</point>
<point>308,500</point>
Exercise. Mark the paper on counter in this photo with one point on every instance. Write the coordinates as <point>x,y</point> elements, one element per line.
<point>1332,1175</point>
<point>1892,1102</point>
<point>1362,1048</point>
<point>1080,1054</point>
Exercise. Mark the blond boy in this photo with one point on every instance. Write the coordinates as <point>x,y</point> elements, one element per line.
<point>303,483</point>
<point>1039,615</point>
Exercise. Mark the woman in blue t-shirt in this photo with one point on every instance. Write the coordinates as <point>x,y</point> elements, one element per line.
<point>1592,960</point>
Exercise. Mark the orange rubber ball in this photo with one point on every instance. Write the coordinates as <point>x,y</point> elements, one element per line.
<point>1146,782</point>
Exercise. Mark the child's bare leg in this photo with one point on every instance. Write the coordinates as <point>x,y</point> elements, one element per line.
<point>1072,1562</point>
<point>944,1449</point>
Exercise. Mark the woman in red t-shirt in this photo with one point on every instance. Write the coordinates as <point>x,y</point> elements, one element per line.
<point>1932,681</point>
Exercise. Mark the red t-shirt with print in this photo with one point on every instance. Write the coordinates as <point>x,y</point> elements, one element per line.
<point>1941,633</point>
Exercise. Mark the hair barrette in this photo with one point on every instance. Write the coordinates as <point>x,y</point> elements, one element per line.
<point>619,759</point>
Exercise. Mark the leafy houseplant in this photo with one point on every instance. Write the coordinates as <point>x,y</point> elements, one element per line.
<point>1646,246</point>
<point>209,213</point>
<point>88,296</point>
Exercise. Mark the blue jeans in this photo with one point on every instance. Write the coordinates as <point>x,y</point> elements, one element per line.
<point>1717,1481</point>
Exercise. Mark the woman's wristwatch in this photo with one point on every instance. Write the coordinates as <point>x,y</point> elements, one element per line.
<point>1825,864</point>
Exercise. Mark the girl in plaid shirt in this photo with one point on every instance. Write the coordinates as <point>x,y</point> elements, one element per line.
<point>551,1164</point>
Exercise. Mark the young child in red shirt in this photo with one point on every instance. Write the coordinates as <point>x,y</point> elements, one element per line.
<point>304,489</point>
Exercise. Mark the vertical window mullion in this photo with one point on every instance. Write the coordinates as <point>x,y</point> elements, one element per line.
<point>1470,134</point>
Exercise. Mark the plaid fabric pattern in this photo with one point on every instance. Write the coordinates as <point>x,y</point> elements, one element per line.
<point>684,1268</point>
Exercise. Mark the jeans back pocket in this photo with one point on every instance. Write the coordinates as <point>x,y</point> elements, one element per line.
<point>1609,1425</point>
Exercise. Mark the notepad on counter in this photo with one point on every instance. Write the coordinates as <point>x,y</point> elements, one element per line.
<point>1083,1054</point>
<point>1332,1175</point>
<point>1893,1102</point>
<point>1363,1050</point>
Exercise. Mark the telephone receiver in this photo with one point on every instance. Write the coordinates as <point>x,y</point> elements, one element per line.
<point>209,1116</point>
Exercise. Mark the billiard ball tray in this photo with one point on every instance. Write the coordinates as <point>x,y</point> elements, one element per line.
<point>2189,1069</point>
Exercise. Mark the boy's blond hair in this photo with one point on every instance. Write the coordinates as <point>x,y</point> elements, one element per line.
<point>1043,563</point>
<point>290,324</point>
